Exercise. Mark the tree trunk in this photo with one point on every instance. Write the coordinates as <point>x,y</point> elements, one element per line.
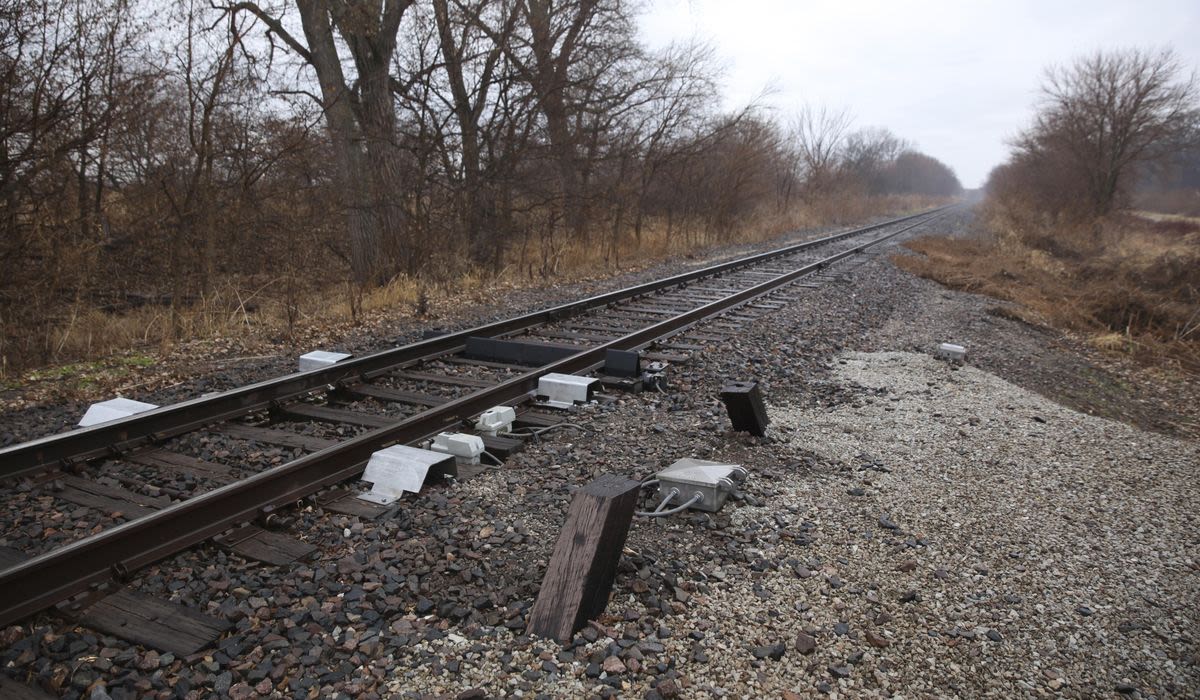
<point>563,145</point>
<point>378,119</point>
<point>550,81</point>
<point>476,214</point>
<point>350,165</point>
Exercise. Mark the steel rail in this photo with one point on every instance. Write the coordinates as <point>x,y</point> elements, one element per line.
<point>50,578</point>
<point>118,436</point>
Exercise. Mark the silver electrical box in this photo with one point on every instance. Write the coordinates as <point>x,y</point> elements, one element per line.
<point>318,359</point>
<point>951,352</point>
<point>565,390</point>
<point>714,481</point>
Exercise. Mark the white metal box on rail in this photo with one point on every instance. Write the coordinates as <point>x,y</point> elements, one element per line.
<point>565,390</point>
<point>399,468</point>
<point>320,358</point>
<point>465,447</point>
<point>496,420</point>
<point>113,409</point>
<point>713,481</point>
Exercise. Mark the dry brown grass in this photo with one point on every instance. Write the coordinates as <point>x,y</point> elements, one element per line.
<point>1127,284</point>
<point>86,331</point>
<point>261,311</point>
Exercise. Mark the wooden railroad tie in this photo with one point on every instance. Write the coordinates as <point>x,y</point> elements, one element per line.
<point>135,617</point>
<point>14,690</point>
<point>584,563</point>
<point>154,623</point>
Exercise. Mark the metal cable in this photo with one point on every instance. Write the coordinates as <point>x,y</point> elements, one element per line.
<point>677,509</point>
<point>536,433</point>
<point>673,493</point>
<point>539,431</point>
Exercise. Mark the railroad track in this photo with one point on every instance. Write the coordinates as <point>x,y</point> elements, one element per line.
<point>159,492</point>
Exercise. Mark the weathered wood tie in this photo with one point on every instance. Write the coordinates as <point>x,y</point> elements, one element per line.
<point>584,563</point>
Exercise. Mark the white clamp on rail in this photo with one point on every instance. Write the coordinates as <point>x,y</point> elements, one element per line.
<point>496,420</point>
<point>465,447</point>
<point>565,390</point>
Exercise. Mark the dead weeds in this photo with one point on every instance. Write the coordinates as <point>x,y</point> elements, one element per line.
<point>1128,285</point>
<point>225,329</point>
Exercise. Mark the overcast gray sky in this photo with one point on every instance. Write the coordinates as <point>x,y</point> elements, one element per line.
<point>957,78</point>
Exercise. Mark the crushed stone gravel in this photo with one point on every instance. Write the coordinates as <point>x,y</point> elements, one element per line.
<point>991,517</point>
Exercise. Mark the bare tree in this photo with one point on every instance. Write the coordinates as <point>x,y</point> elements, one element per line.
<point>818,134</point>
<point>666,125</point>
<point>867,152</point>
<point>550,52</point>
<point>469,53</point>
<point>189,181</point>
<point>912,172</point>
<point>59,63</point>
<point>1109,112</point>
<point>359,113</point>
<point>62,68</point>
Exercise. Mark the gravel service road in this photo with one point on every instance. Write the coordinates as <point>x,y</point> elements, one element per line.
<point>910,528</point>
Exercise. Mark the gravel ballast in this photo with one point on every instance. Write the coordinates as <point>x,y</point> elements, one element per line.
<point>949,534</point>
<point>1054,550</point>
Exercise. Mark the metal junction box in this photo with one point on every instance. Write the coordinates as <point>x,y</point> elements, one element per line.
<point>951,352</point>
<point>565,390</point>
<point>714,481</point>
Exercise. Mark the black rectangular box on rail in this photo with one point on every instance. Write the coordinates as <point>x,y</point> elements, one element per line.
<point>743,401</point>
<point>622,363</point>
<point>529,353</point>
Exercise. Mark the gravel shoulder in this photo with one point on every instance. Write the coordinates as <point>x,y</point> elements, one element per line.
<point>910,529</point>
<point>1013,546</point>
<point>1057,365</point>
